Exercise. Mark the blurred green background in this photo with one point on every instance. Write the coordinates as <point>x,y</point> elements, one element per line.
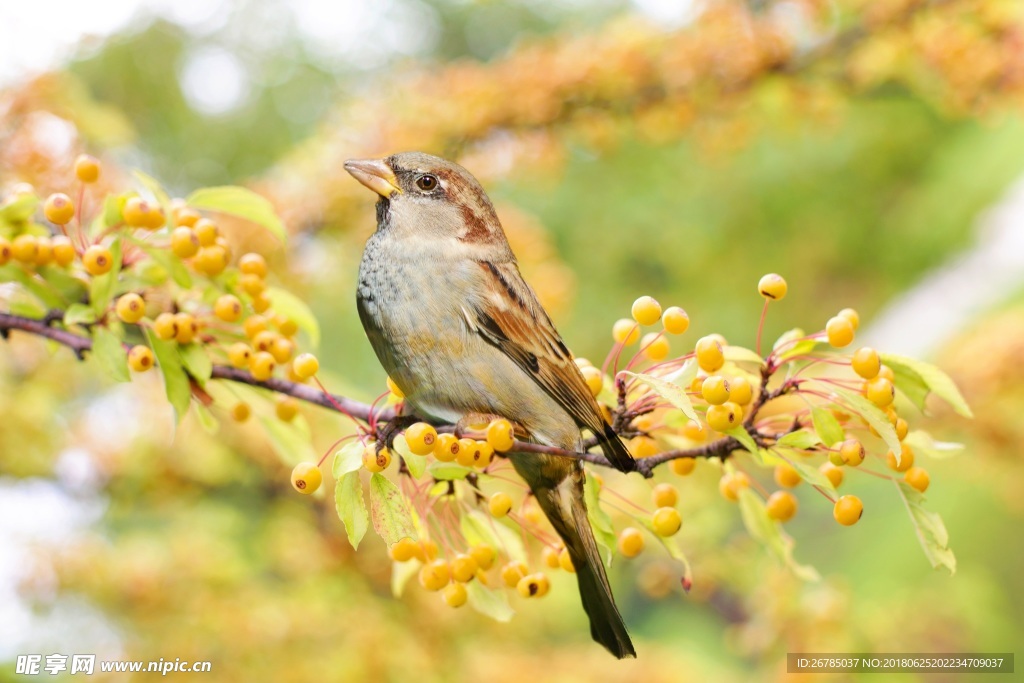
<point>859,190</point>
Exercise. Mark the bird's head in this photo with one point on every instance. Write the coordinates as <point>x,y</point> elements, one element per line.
<point>425,196</point>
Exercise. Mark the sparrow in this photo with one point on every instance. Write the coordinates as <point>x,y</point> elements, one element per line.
<point>461,333</point>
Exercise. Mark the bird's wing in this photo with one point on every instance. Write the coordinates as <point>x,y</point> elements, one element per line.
<point>510,318</point>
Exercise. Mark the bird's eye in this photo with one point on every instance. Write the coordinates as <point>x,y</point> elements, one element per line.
<point>426,182</point>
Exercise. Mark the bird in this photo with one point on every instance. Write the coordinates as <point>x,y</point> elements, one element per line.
<point>461,333</point>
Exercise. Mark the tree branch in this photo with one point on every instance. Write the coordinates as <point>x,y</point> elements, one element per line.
<point>80,344</point>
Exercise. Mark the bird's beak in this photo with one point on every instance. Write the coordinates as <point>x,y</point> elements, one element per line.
<point>375,174</point>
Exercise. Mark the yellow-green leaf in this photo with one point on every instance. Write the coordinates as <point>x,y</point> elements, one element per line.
<point>348,459</point>
<point>239,202</point>
<point>928,526</point>
<point>290,306</point>
<point>922,442</point>
<point>827,426</point>
<point>176,384</point>
<point>348,501</point>
<point>479,529</point>
<point>669,391</point>
<point>109,354</point>
<point>197,362</point>
<point>389,510</point>
<point>875,417</point>
<point>935,379</point>
<point>766,530</point>
<point>490,603</point>
<point>290,440</point>
<point>600,522</point>
<point>417,464</point>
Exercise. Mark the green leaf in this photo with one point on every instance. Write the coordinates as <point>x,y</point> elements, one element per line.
<point>875,417</point>
<point>788,336</point>
<point>240,202</point>
<point>109,354</point>
<point>290,306</point>
<point>604,531</point>
<point>389,510</point>
<point>922,442</point>
<point>19,209</point>
<point>935,379</point>
<point>79,314</point>
<point>348,501</point>
<point>668,391</point>
<point>801,439</point>
<point>912,386</point>
<point>672,546</point>
<point>417,464</point>
<point>34,285</point>
<point>176,384</point>
<point>197,362</point>
<point>206,419</point>
<point>102,287</point>
<point>169,262</point>
<point>812,475</point>
<point>479,529</point>
<point>766,530</point>
<point>740,433</point>
<point>739,354</point>
<point>401,572</point>
<point>490,603</point>
<point>290,440</point>
<point>827,426</point>
<point>24,304</point>
<point>348,459</point>
<point>928,526</point>
<point>66,286</point>
<point>448,470</point>
<point>154,187</point>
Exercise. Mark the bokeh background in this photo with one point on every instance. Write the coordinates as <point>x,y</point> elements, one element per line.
<point>870,151</point>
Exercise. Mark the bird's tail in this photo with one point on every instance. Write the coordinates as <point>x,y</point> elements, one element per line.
<point>566,508</point>
<point>615,450</point>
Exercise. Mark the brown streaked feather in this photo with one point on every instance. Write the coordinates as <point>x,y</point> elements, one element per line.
<point>519,326</point>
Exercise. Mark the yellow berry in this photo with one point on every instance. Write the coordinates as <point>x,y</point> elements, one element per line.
<point>500,435</point>
<point>263,341</point>
<point>87,168</point>
<point>848,510</point>
<point>781,506</point>
<point>253,285</point>
<point>241,412</point>
<point>228,308</point>
<point>839,331</point>
<point>286,409</point>
<point>724,417</point>
<point>693,431</point>
<point>446,448</point>
<point>463,568</point>
<point>675,320</point>
<point>631,542</point>
<point>625,332</point>
<point>550,556</point>
<point>715,390</point>
<point>455,595</point>
<point>24,248</point>
<point>866,362</point>
<point>655,346</point>
<point>138,213</point>
<point>253,325</point>
<point>207,232</point>
<point>428,551</point>
<point>5,251</point>
<point>731,484</point>
<point>261,365</point>
<point>710,356</point>
<point>533,586</point>
<point>772,286</point>
<point>261,302</point>
<point>918,478</point>
<point>239,354</point>
<point>253,264</point>
<point>97,260</point>
<point>851,452</point>
<point>59,209</point>
<point>421,438</point>
<point>852,316</point>
<point>435,575</point>
<point>484,556</point>
<point>741,391</point>
<point>834,474</point>
<point>131,308</point>
<point>44,251</point>
<point>565,561</point>
<point>666,495</point>
<point>184,242</point>
<point>646,310</point>
<point>63,251</point>
<point>306,365</point>
<point>594,379</point>
<point>286,326</point>
<point>902,428</point>
<point>166,326</point>
<point>404,550</point>
<point>374,460</point>
<point>666,521</point>
<point>140,358</point>
<point>683,466</point>
<point>187,328</point>
<point>211,260</point>
<point>886,372</point>
<point>184,216</point>
<point>513,572</point>
<point>500,504</point>
<point>880,391</point>
<point>906,459</point>
<point>282,349</point>
<point>787,476</point>
<point>306,477</point>
<point>394,388</point>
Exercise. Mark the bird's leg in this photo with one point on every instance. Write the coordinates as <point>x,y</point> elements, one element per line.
<point>386,434</point>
